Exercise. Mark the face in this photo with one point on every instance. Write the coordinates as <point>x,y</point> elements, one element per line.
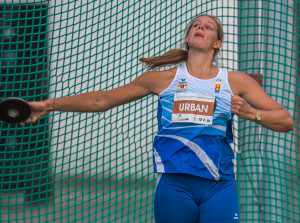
<point>203,34</point>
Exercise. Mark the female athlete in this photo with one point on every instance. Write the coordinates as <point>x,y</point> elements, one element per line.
<point>197,100</point>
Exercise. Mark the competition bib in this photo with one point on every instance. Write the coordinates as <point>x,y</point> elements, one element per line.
<point>193,107</point>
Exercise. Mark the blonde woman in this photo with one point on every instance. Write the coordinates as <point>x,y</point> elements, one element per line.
<point>197,99</point>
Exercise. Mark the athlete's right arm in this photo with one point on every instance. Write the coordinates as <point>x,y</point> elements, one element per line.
<point>99,101</point>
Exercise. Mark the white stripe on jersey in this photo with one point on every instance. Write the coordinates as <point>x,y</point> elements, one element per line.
<point>157,159</point>
<point>222,128</point>
<point>169,110</point>
<point>208,163</point>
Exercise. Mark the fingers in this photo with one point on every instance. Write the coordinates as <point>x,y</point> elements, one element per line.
<point>38,110</point>
<point>235,99</point>
<point>31,119</point>
<point>237,104</point>
<point>240,107</point>
<point>34,119</point>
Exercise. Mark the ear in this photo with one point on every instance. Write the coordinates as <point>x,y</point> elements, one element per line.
<point>186,39</point>
<point>217,44</point>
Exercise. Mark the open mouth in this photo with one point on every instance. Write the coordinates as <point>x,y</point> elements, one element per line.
<point>199,35</point>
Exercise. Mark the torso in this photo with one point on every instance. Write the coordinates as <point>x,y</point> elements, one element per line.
<point>207,135</point>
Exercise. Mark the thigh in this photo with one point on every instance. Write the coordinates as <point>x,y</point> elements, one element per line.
<point>173,202</point>
<point>221,205</point>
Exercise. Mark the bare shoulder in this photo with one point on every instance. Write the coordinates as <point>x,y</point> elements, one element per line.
<point>237,76</point>
<point>240,82</point>
<point>157,75</point>
<point>156,81</point>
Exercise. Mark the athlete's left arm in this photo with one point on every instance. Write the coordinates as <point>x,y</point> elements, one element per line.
<point>248,92</point>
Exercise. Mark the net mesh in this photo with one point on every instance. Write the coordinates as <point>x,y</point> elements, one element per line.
<point>97,167</point>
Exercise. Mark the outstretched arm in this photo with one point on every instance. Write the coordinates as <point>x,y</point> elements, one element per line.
<point>97,101</point>
<point>248,92</point>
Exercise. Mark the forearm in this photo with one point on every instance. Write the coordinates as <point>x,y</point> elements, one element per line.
<point>86,102</point>
<point>277,120</point>
<point>273,115</point>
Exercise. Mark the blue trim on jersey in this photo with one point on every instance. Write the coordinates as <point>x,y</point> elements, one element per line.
<point>182,151</point>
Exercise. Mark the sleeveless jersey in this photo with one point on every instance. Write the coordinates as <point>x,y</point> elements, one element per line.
<point>195,127</point>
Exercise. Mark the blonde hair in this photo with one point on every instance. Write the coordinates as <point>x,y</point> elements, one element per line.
<point>176,56</point>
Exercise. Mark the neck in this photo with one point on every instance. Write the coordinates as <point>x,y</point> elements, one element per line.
<point>199,64</point>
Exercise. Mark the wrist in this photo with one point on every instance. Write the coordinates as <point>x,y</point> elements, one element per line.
<point>49,105</point>
<point>252,114</point>
<point>257,115</point>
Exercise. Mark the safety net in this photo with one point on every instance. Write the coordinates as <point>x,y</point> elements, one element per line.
<point>97,167</point>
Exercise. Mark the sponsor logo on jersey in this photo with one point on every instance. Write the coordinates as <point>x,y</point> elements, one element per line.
<point>182,85</point>
<point>193,107</point>
<point>180,118</point>
<point>218,85</point>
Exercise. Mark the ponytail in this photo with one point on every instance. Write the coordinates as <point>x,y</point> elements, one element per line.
<point>171,57</point>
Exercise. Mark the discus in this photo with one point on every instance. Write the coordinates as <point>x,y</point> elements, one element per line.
<point>14,110</point>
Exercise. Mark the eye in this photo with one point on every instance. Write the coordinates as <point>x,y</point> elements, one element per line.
<point>208,27</point>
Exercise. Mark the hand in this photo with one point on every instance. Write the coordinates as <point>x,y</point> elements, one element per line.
<point>241,108</point>
<point>38,110</point>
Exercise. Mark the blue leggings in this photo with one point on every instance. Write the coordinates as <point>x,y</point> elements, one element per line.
<point>183,198</point>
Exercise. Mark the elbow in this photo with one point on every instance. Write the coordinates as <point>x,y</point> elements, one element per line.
<point>290,125</point>
<point>100,104</point>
